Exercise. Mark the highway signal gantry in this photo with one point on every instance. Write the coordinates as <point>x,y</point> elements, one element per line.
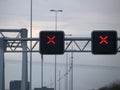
<point>103,42</point>
<point>53,42</point>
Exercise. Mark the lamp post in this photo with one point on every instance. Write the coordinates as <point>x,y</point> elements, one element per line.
<point>55,11</point>
<point>30,87</point>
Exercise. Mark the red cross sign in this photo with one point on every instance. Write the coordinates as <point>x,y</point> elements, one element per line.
<point>103,39</point>
<point>51,40</point>
<point>104,42</point>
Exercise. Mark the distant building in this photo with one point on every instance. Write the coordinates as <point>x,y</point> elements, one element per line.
<point>44,88</point>
<point>16,85</point>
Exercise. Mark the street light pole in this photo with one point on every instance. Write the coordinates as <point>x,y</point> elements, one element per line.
<point>56,21</point>
<point>30,87</point>
<point>55,11</point>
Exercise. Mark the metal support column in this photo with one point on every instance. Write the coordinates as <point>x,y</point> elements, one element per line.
<point>24,83</point>
<point>42,71</point>
<point>71,72</point>
<point>66,77</point>
<point>59,80</point>
<point>72,69</point>
<point>2,46</point>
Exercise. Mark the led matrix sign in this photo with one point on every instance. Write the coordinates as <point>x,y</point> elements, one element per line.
<point>51,42</point>
<point>104,42</point>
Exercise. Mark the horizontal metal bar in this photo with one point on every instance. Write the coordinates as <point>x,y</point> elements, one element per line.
<point>39,51</point>
<point>77,38</point>
<point>18,51</point>
<point>13,42</point>
<point>38,39</point>
<point>78,51</point>
<point>14,46</point>
<point>22,39</point>
<point>10,30</point>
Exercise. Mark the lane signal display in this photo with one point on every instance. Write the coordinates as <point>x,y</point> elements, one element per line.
<point>104,42</point>
<point>51,42</point>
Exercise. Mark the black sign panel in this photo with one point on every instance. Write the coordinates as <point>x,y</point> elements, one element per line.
<point>104,42</point>
<point>51,42</point>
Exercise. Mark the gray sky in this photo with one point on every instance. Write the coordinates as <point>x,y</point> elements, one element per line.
<point>79,18</point>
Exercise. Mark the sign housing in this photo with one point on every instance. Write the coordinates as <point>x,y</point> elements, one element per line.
<point>104,42</point>
<point>51,42</point>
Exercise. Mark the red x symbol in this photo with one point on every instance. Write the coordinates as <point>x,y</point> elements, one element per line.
<point>103,40</point>
<point>51,39</point>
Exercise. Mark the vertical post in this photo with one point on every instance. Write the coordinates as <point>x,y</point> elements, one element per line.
<point>66,77</point>
<point>42,71</point>
<point>30,86</point>
<point>59,81</point>
<point>24,83</point>
<point>56,21</point>
<point>56,11</point>
<point>71,72</point>
<point>55,70</point>
<point>55,55</point>
<point>72,69</point>
<point>2,46</point>
<point>70,75</point>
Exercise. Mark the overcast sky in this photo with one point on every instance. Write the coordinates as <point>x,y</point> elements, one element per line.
<point>79,18</point>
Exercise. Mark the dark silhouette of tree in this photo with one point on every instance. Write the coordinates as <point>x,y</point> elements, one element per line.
<point>103,88</point>
<point>114,86</point>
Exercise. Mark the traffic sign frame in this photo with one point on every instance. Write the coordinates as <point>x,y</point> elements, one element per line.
<point>51,42</point>
<point>104,42</point>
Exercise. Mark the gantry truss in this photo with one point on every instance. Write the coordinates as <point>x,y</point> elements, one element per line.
<point>79,44</point>
<point>20,43</point>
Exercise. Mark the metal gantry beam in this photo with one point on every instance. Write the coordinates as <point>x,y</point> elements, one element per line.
<point>80,44</point>
<point>13,45</point>
<point>2,76</point>
<point>20,44</point>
